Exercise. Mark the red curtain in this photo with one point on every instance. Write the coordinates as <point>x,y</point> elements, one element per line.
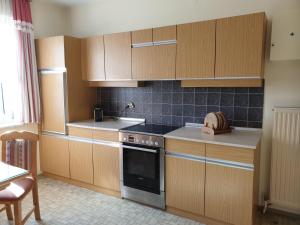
<point>27,69</point>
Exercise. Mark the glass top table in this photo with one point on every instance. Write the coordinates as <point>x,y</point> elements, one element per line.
<point>10,173</point>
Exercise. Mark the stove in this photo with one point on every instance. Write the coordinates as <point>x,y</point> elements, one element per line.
<point>146,134</point>
<point>142,163</point>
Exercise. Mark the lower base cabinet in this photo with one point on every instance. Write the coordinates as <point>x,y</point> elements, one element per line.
<point>229,194</point>
<point>81,161</point>
<point>185,184</point>
<point>55,155</point>
<point>106,167</point>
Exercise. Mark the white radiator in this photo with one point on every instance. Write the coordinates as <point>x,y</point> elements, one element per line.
<point>285,160</point>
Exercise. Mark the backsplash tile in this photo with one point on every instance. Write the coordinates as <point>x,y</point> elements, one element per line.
<point>166,102</point>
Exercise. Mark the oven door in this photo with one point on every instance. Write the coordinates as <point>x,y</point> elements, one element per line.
<point>141,167</point>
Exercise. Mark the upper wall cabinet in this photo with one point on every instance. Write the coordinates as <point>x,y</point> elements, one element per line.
<point>50,52</point>
<point>240,46</point>
<point>153,57</point>
<point>118,56</point>
<point>195,50</point>
<point>164,33</point>
<point>141,36</point>
<point>92,58</point>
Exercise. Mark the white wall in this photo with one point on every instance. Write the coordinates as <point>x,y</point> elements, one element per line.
<point>107,16</point>
<point>49,19</point>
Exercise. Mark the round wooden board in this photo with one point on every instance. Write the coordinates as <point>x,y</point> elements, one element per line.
<point>211,121</point>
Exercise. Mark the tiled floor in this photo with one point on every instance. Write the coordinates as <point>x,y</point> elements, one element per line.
<point>63,204</point>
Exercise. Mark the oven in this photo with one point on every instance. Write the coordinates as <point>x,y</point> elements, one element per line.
<point>142,169</point>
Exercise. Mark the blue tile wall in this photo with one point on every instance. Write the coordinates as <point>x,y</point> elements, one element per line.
<point>166,102</point>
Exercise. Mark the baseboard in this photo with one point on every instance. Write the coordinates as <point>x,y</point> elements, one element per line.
<point>84,185</point>
<point>198,218</point>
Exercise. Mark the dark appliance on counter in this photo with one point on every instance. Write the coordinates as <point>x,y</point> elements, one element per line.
<point>143,163</point>
<point>98,113</point>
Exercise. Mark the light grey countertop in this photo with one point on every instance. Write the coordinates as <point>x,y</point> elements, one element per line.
<point>107,124</point>
<point>239,137</point>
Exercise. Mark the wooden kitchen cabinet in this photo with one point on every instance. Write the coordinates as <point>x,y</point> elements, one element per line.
<point>142,36</point>
<point>196,50</point>
<point>154,62</point>
<point>55,155</point>
<point>164,33</point>
<point>50,52</point>
<point>106,167</point>
<point>92,58</point>
<point>231,185</point>
<point>185,180</point>
<point>105,135</point>
<point>118,56</point>
<point>229,194</point>
<point>81,161</point>
<point>54,118</point>
<point>62,54</point>
<point>240,46</point>
<point>185,176</point>
<point>80,132</point>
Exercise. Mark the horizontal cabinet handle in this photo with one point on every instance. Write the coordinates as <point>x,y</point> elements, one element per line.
<point>96,142</point>
<point>213,161</point>
<point>155,43</point>
<point>55,134</point>
<point>53,70</point>
<point>139,149</point>
<point>166,42</point>
<point>186,156</point>
<point>231,164</point>
<point>140,45</point>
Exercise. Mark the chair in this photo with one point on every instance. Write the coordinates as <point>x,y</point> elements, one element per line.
<point>19,149</point>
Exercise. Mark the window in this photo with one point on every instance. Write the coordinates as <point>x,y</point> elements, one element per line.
<point>10,90</point>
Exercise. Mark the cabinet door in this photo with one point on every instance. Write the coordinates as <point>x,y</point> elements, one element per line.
<point>118,56</point>
<point>81,161</point>
<point>195,50</point>
<point>106,167</point>
<point>185,184</point>
<point>141,36</point>
<point>228,194</point>
<point>54,155</point>
<point>164,33</point>
<point>154,63</point>
<point>92,58</point>
<point>54,118</point>
<point>50,52</point>
<point>240,46</point>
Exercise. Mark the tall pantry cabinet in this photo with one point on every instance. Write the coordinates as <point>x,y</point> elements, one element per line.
<point>65,98</point>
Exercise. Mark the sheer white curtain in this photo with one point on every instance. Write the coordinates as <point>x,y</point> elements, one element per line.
<point>19,87</point>
<point>10,87</point>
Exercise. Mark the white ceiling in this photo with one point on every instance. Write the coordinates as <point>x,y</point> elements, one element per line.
<point>72,2</point>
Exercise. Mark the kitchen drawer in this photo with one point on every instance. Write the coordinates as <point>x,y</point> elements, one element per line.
<point>80,132</point>
<point>185,147</point>
<point>106,135</point>
<point>242,155</point>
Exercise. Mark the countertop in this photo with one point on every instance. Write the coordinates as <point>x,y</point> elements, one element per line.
<point>239,137</point>
<point>107,124</point>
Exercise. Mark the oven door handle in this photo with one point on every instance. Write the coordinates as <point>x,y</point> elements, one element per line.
<point>139,149</point>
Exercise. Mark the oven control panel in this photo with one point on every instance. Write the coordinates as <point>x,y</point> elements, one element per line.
<point>142,139</point>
